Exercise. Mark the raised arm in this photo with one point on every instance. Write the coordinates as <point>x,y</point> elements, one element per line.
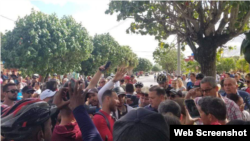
<point>118,76</point>
<point>96,78</point>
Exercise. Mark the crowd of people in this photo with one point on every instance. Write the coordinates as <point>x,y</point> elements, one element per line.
<point>118,108</point>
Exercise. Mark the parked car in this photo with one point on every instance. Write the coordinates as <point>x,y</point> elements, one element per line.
<point>146,74</point>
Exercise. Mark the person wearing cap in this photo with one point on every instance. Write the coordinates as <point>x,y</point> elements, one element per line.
<point>93,99</point>
<point>127,80</point>
<point>47,95</point>
<point>122,107</point>
<point>35,78</point>
<point>27,92</point>
<point>156,96</point>
<point>141,125</point>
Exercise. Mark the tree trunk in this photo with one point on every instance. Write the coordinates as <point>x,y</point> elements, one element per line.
<point>46,77</point>
<point>206,56</point>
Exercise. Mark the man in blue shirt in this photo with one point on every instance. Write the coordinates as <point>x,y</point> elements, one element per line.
<point>231,87</point>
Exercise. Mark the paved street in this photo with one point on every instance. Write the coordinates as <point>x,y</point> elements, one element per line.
<point>147,80</point>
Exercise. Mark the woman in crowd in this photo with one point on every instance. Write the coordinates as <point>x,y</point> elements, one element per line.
<point>181,86</point>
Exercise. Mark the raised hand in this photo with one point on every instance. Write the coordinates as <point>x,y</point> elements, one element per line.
<point>77,96</point>
<point>120,73</point>
<point>58,98</point>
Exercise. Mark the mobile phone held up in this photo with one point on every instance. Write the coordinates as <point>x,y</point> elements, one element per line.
<point>72,84</point>
<point>107,66</point>
<point>192,109</point>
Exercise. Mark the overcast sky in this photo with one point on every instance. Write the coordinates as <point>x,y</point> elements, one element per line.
<point>91,14</point>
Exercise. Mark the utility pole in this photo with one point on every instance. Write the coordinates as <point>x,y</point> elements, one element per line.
<point>178,57</point>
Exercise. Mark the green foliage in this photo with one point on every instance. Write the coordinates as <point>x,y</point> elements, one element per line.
<point>226,64</point>
<point>242,65</point>
<point>42,43</point>
<point>156,68</point>
<point>193,21</point>
<point>144,65</point>
<point>191,66</point>
<point>167,58</point>
<point>106,48</point>
<point>245,47</point>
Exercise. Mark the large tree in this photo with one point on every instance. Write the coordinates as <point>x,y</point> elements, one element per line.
<point>226,64</point>
<point>144,65</point>
<point>44,44</point>
<point>203,25</point>
<point>245,47</point>
<point>156,68</point>
<point>167,58</point>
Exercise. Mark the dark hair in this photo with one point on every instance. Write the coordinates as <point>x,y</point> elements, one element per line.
<point>192,74</point>
<point>170,106</point>
<point>107,93</point>
<point>233,97</point>
<point>222,83</point>
<point>181,101</point>
<point>130,88</point>
<point>228,73</point>
<point>171,119</point>
<point>51,85</point>
<point>6,86</point>
<point>159,90</point>
<point>122,81</point>
<point>213,106</point>
<point>199,76</point>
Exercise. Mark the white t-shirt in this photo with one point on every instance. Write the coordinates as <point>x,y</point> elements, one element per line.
<point>38,91</point>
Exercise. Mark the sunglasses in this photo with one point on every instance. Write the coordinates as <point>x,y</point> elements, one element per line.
<point>13,91</point>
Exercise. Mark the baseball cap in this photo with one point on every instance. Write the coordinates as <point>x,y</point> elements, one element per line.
<point>35,75</point>
<point>27,89</point>
<point>54,74</point>
<point>126,77</point>
<point>145,124</point>
<point>47,93</point>
<point>92,91</point>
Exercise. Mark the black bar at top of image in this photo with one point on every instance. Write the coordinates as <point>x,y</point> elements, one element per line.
<point>198,132</point>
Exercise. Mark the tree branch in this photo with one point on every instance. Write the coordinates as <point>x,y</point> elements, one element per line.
<point>246,19</point>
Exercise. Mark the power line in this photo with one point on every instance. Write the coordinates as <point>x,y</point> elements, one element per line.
<point>7,18</point>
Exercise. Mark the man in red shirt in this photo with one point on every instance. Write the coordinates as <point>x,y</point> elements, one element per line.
<point>103,120</point>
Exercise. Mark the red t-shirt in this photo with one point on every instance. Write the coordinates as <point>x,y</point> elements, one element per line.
<point>248,90</point>
<point>102,125</point>
<point>70,132</point>
<point>215,123</point>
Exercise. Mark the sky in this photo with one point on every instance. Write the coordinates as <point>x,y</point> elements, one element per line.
<point>91,14</point>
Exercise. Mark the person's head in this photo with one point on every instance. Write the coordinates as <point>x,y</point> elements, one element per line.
<point>54,76</point>
<point>230,86</point>
<point>156,96</point>
<point>212,109</point>
<point>35,77</point>
<point>47,95</point>
<point>37,127</point>
<point>92,95</point>
<point>162,81</point>
<point>238,100</point>
<point>247,77</point>
<point>222,84</point>
<point>37,85</point>
<point>65,80</point>
<point>126,79</point>
<point>175,94</point>
<point>122,81</point>
<point>192,77</point>
<point>145,124</point>
<point>199,76</point>
<point>110,100</point>
<point>181,101</point>
<point>170,106</point>
<point>138,87</point>
<point>209,86</point>
<point>121,96</point>
<point>236,77</point>
<point>10,92</point>
<point>227,75</point>
<point>132,77</point>
<point>130,88</point>
<point>102,82</point>
<point>180,83</point>
<point>52,85</point>
<point>171,119</point>
<point>144,99</point>
<point>27,92</point>
<point>13,72</point>
<point>175,84</point>
<point>184,77</point>
<point>20,79</point>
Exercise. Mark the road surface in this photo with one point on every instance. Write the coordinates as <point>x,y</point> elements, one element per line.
<point>147,80</point>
